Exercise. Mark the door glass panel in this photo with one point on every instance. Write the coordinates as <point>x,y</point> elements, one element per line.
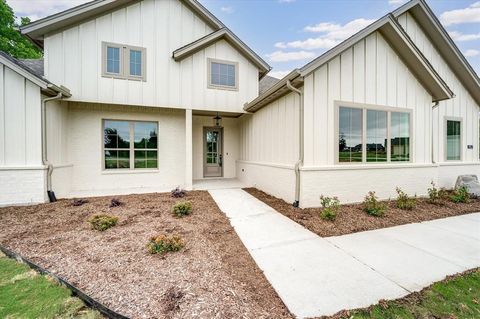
<point>453,141</point>
<point>212,147</point>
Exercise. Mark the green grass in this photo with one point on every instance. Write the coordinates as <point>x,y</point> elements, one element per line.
<point>458,298</point>
<point>26,294</point>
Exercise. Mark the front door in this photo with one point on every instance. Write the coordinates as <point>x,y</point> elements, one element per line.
<point>212,151</point>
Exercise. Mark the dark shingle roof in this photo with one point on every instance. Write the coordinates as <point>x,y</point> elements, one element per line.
<point>24,65</point>
<point>265,83</point>
<point>35,65</point>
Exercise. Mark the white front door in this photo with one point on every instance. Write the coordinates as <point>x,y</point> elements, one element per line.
<point>212,152</point>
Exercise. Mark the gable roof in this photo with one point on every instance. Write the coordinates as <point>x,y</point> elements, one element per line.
<point>25,71</point>
<point>37,29</point>
<point>444,44</point>
<point>229,36</point>
<point>399,40</point>
<point>266,83</point>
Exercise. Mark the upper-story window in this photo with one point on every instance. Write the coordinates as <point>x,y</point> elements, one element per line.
<point>372,134</point>
<point>123,61</point>
<point>222,74</point>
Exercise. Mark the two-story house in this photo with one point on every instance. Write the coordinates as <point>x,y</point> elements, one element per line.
<point>147,95</point>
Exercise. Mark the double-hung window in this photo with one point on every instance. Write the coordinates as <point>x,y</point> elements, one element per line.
<point>130,145</point>
<point>453,139</point>
<point>373,135</point>
<point>123,61</point>
<point>222,74</point>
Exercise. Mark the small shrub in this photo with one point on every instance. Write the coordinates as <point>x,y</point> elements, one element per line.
<point>330,206</point>
<point>372,206</point>
<point>115,202</point>
<point>182,208</point>
<point>460,195</point>
<point>162,244</point>
<point>435,195</point>
<point>178,193</point>
<point>404,201</point>
<point>102,222</point>
<point>79,202</point>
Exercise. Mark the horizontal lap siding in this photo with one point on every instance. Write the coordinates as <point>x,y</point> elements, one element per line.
<point>73,58</point>
<point>462,105</point>
<point>369,72</point>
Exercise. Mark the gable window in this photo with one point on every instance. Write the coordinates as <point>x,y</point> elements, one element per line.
<point>130,145</point>
<point>372,134</point>
<point>222,74</point>
<point>453,142</point>
<point>123,61</point>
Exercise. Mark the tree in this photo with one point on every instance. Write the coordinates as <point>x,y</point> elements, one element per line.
<point>11,41</point>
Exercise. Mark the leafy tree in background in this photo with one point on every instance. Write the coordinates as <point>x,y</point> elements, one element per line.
<point>11,41</point>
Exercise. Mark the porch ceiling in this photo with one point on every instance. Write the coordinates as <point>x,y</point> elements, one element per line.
<point>214,113</point>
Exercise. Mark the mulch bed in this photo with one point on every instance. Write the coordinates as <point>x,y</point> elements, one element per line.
<point>212,277</point>
<point>351,218</point>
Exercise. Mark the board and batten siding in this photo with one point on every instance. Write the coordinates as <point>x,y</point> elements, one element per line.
<point>73,58</point>
<point>369,72</point>
<point>462,105</point>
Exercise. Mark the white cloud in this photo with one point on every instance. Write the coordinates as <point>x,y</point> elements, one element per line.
<point>279,74</point>
<point>458,36</point>
<point>286,1</point>
<point>281,56</point>
<point>396,2</point>
<point>227,9</point>
<point>331,34</point>
<point>41,8</point>
<point>472,52</point>
<point>471,14</point>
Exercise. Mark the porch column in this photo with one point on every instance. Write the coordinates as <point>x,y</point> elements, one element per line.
<point>188,150</point>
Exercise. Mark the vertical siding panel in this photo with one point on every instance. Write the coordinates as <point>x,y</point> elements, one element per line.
<point>309,124</point>
<point>346,75</point>
<point>392,64</point>
<point>2,114</point>
<point>370,69</point>
<point>33,124</point>
<point>14,118</point>
<point>90,71</point>
<point>119,29</point>
<point>320,113</point>
<point>149,32</point>
<point>381,88</point>
<point>104,31</point>
<point>359,72</point>
<point>333,95</point>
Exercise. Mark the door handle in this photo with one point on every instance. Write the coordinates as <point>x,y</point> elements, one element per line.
<point>220,162</point>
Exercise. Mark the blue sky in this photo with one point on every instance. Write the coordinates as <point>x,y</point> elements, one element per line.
<point>289,33</point>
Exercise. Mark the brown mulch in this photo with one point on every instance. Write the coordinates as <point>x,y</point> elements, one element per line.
<point>351,218</point>
<point>212,277</point>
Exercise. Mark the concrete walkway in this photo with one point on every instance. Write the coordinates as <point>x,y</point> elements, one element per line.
<point>317,276</point>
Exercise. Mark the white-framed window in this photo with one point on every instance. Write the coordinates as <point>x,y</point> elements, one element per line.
<point>372,134</point>
<point>130,144</point>
<point>222,74</point>
<point>123,61</point>
<point>453,139</point>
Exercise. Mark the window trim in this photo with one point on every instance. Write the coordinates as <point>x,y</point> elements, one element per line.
<point>210,85</point>
<point>374,107</point>
<point>131,148</point>
<point>445,132</point>
<point>124,62</point>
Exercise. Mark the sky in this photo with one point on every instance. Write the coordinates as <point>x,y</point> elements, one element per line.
<point>290,33</point>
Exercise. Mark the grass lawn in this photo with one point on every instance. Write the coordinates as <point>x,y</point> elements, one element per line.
<point>457,297</point>
<point>26,294</point>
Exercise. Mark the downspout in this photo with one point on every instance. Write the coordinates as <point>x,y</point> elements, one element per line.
<point>434,106</point>
<point>299,163</point>
<point>50,193</point>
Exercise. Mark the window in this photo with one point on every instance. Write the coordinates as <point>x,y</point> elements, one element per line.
<point>373,135</point>
<point>123,61</point>
<point>453,140</point>
<point>223,74</point>
<point>130,144</point>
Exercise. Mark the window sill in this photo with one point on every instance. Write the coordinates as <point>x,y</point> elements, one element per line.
<point>130,171</point>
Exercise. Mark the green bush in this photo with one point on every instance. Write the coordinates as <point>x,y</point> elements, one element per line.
<point>404,201</point>
<point>436,196</point>
<point>330,206</point>
<point>460,195</point>
<point>102,222</point>
<point>182,208</point>
<point>162,244</point>
<point>372,206</point>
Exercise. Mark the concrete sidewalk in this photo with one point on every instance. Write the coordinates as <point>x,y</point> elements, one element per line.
<point>317,276</point>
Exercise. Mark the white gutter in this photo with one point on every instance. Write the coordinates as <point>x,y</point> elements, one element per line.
<point>51,194</point>
<point>299,163</point>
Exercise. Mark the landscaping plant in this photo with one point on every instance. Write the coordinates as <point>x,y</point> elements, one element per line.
<point>102,222</point>
<point>178,192</point>
<point>330,206</point>
<point>182,208</point>
<point>404,201</point>
<point>460,195</point>
<point>435,195</point>
<point>115,202</point>
<point>79,202</point>
<point>162,244</point>
<point>372,206</point>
